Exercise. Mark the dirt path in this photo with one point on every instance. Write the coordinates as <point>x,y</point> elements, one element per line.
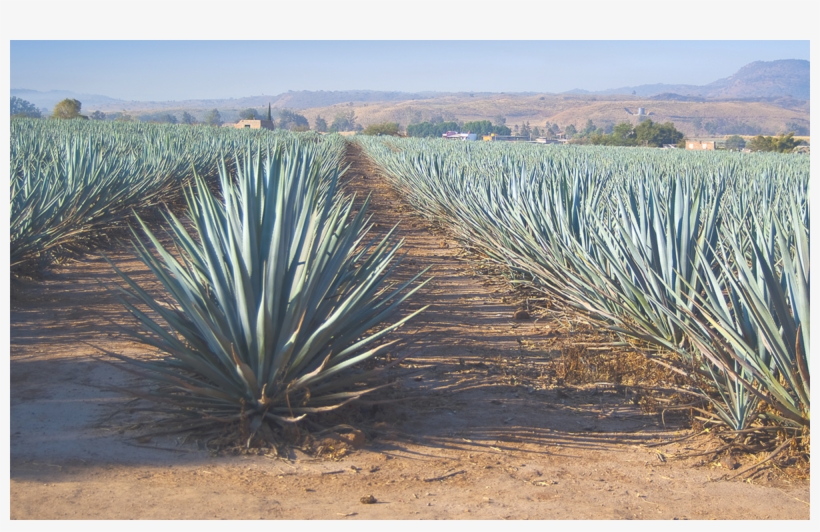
<point>487,433</point>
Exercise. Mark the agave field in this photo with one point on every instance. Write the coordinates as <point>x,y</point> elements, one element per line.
<point>700,258</point>
<point>256,285</point>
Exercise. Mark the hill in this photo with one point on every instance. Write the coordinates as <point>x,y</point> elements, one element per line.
<point>764,97</point>
<point>691,117</point>
<point>761,79</point>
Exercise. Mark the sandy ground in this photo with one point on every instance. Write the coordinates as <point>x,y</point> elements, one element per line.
<point>484,431</point>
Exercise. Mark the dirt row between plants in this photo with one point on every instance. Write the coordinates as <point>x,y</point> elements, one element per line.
<point>489,424</point>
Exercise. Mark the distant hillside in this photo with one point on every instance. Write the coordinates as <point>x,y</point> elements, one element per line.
<point>692,117</point>
<point>761,98</point>
<point>761,79</point>
<point>47,99</point>
<point>765,79</point>
<point>289,100</point>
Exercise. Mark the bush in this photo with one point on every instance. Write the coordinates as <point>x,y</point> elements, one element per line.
<point>385,128</point>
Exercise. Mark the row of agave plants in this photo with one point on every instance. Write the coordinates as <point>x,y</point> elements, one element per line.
<point>71,180</point>
<point>702,257</point>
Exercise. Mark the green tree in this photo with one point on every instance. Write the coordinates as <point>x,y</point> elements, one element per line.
<point>97,115</point>
<point>292,121</point>
<point>320,124</point>
<point>21,108</point>
<point>188,118</point>
<point>67,109</point>
<point>383,129</point>
<point>536,132</point>
<point>735,143</point>
<point>213,118</point>
<point>570,131</point>
<point>268,117</point>
<point>781,143</point>
<point>526,130</point>
<point>427,129</point>
<point>649,133</point>
<point>484,127</point>
<point>345,121</point>
<point>589,129</point>
<point>248,114</point>
<point>623,131</point>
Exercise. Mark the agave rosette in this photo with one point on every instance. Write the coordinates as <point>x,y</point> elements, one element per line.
<point>276,294</point>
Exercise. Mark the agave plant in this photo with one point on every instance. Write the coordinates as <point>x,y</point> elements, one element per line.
<point>276,295</point>
<point>753,326</point>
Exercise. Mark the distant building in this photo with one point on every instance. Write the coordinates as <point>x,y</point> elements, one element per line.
<point>700,145</point>
<point>506,138</point>
<point>254,124</point>
<point>455,135</point>
<point>641,111</point>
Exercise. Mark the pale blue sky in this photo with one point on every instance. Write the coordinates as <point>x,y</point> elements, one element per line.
<point>177,70</point>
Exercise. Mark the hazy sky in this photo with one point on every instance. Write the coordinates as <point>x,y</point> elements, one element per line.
<point>178,70</point>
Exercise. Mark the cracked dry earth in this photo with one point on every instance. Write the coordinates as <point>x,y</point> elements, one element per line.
<point>484,433</point>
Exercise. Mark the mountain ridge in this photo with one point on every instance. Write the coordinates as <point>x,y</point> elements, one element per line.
<point>783,78</point>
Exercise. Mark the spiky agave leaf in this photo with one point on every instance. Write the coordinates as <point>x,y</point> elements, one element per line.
<point>274,297</point>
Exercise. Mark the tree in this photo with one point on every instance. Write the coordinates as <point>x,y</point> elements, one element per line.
<point>187,118</point>
<point>781,143</point>
<point>97,115</point>
<point>213,118</point>
<point>292,121</point>
<point>67,109</point>
<point>570,131</point>
<point>623,131</point>
<point>499,120</point>
<point>248,114</point>
<point>735,143</point>
<point>343,122</point>
<point>427,129</point>
<point>589,129</point>
<point>484,127</point>
<point>320,124</point>
<point>166,118</point>
<point>124,117</point>
<point>649,133</point>
<point>269,118</point>
<point>536,132</point>
<point>386,128</point>
<point>20,108</point>
<point>526,130</point>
